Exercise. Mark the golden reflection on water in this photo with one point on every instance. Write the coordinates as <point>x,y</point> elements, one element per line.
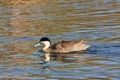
<point>23,13</point>
<point>17,25</point>
<point>16,47</point>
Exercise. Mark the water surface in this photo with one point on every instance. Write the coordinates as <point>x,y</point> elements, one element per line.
<point>23,23</point>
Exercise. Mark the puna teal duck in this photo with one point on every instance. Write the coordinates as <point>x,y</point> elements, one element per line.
<point>62,46</point>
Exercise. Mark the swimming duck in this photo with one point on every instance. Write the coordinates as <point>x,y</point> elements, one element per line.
<point>62,46</point>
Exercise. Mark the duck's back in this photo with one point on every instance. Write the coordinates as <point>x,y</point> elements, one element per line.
<point>69,46</point>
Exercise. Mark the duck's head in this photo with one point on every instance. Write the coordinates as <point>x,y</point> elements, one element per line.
<point>44,40</point>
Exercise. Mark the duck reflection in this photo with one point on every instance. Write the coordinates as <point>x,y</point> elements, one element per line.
<point>47,57</point>
<point>64,57</point>
<point>73,57</point>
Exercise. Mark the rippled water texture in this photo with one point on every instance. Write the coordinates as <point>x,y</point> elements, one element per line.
<point>24,22</point>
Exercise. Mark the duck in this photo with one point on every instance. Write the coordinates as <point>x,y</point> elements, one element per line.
<point>61,46</point>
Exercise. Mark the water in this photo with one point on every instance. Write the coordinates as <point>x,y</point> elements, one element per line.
<point>23,23</point>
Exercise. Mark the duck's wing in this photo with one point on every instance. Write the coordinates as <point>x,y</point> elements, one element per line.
<point>70,44</point>
<point>66,46</point>
<point>79,45</point>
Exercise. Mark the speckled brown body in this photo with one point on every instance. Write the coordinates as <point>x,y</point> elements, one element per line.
<point>67,46</point>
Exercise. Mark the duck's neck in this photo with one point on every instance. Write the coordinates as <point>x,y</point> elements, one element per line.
<point>47,45</point>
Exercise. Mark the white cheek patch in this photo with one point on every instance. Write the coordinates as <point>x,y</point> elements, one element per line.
<point>46,43</point>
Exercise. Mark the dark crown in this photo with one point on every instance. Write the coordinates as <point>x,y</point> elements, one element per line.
<point>45,39</point>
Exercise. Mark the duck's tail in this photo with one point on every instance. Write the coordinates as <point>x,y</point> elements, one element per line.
<point>84,46</point>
